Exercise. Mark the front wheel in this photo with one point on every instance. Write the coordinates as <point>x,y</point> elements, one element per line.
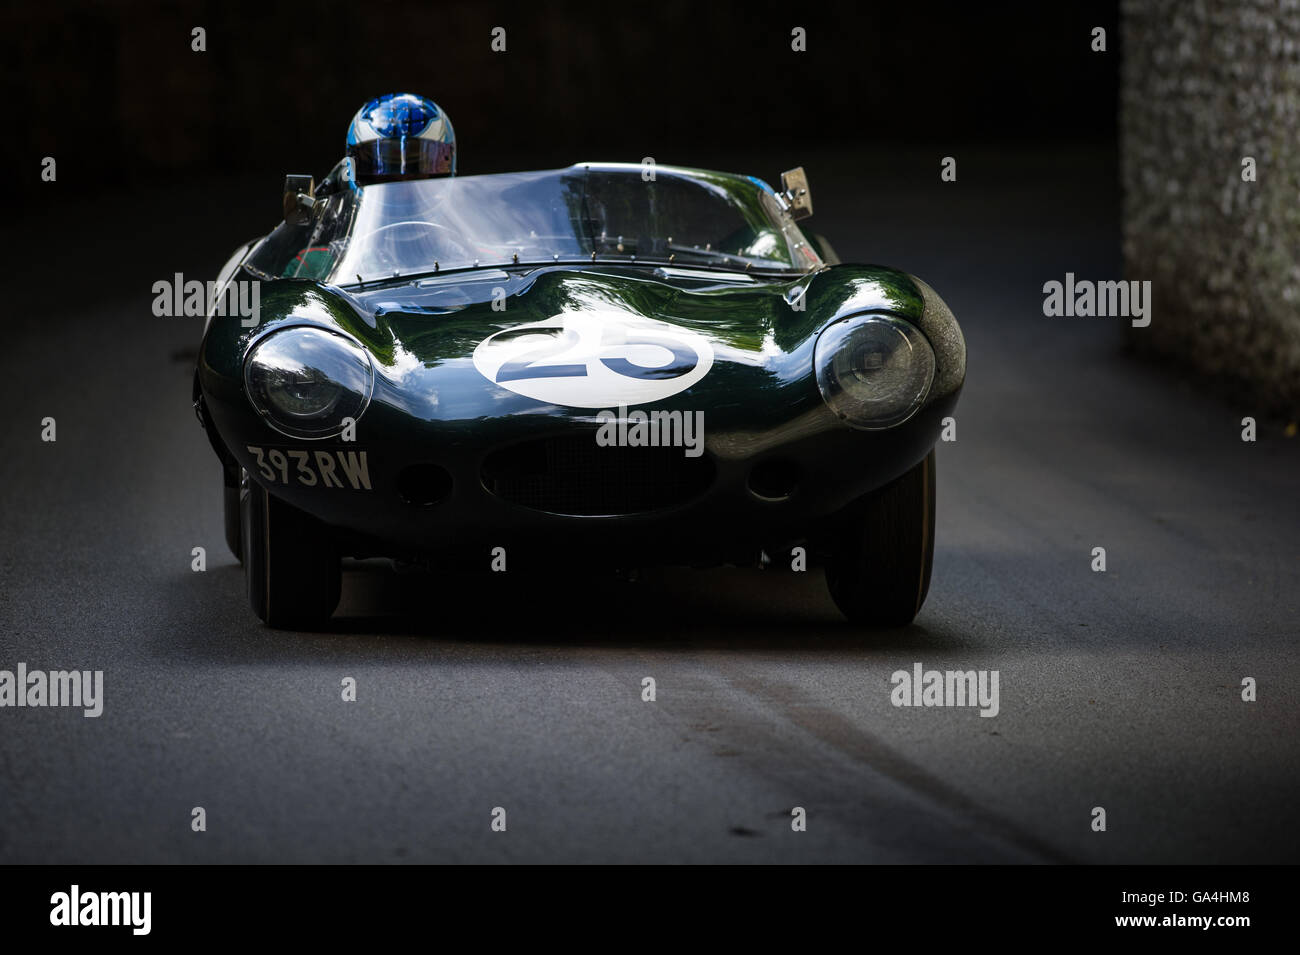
<point>230,506</point>
<point>883,549</point>
<point>291,565</point>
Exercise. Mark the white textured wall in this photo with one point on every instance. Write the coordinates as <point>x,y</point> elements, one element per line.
<point>1204,84</point>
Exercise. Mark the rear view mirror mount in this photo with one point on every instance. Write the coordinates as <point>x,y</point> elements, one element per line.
<point>794,185</point>
<point>299,197</point>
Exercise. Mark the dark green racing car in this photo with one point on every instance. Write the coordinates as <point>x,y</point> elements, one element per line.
<point>607,364</point>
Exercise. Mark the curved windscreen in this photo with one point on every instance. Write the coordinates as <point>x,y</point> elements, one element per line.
<point>396,229</point>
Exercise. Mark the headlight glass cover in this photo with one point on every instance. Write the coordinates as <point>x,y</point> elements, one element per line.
<point>306,380</point>
<point>874,371</point>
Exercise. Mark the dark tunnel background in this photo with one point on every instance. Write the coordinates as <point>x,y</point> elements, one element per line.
<point>118,96</point>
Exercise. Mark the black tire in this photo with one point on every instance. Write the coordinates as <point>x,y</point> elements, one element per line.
<point>234,521</point>
<point>291,565</point>
<point>883,550</point>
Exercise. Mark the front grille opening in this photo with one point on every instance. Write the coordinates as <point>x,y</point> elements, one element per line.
<point>574,475</point>
<point>424,484</point>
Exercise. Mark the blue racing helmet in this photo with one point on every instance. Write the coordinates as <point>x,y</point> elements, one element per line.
<point>401,136</point>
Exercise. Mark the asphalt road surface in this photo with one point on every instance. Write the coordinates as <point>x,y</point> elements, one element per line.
<point>1119,690</point>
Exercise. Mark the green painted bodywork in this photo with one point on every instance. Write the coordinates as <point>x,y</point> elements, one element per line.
<point>431,404</point>
<point>422,339</point>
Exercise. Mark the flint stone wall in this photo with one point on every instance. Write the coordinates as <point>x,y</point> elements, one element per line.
<point>1205,84</point>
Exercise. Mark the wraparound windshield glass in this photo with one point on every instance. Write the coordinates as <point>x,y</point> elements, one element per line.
<point>390,230</point>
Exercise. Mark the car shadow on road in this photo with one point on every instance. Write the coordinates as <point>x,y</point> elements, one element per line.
<point>426,615</point>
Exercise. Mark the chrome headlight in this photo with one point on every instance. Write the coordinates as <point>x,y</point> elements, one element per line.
<point>874,371</point>
<point>305,380</point>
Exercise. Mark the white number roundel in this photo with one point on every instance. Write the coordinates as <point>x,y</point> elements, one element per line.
<point>595,359</point>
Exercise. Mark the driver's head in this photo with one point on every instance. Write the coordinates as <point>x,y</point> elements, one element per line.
<point>401,136</point>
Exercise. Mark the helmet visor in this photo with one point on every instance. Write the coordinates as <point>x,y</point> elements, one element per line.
<point>402,157</point>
